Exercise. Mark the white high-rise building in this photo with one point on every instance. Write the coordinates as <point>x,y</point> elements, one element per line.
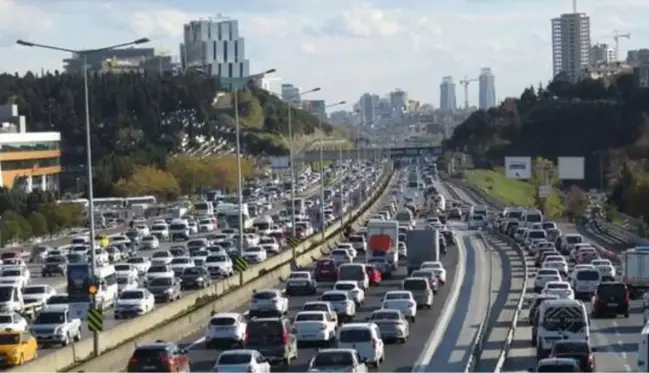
<point>290,93</point>
<point>215,46</point>
<point>447,94</point>
<point>601,54</point>
<point>570,44</point>
<point>486,89</point>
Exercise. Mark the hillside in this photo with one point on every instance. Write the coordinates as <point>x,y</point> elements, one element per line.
<point>149,117</point>
<point>607,125</point>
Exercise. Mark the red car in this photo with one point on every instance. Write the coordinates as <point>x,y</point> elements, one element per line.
<point>10,255</point>
<point>325,270</point>
<point>374,274</point>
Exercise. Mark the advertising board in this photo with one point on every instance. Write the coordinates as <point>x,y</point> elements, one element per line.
<point>571,168</point>
<point>518,168</point>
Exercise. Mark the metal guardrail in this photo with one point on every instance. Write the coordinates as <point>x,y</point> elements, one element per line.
<point>619,232</point>
<point>504,352</point>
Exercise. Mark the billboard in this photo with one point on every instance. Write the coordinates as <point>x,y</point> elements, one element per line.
<point>571,168</point>
<point>518,168</point>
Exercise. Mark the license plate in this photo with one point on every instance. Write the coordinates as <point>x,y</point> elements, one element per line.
<point>612,304</point>
<point>308,335</point>
<point>148,367</point>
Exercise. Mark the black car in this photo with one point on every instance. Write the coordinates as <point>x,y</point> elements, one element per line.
<point>611,298</point>
<point>273,338</point>
<point>159,357</point>
<point>195,278</point>
<point>54,265</point>
<point>578,350</point>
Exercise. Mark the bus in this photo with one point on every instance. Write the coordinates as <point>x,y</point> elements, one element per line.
<point>81,202</point>
<point>78,280</point>
<point>148,201</point>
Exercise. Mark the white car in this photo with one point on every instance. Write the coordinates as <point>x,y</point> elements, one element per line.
<point>337,360</point>
<point>321,306</point>
<point>255,254</point>
<point>241,361</point>
<point>441,275</point>
<point>477,221</point>
<point>605,267</point>
<point>545,275</point>
<point>156,271</point>
<point>13,321</point>
<point>126,269</point>
<point>355,291</point>
<point>37,294</point>
<point>270,245</point>
<point>431,265</point>
<point>57,302</point>
<point>557,262</point>
<point>142,229</point>
<point>134,302</point>
<point>193,227</point>
<point>18,276</point>
<point>315,327</point>
<point>149,243</point>
<point>219,265</point>
<point>163,256</point>
<point>341,302</point>
<point>126,282</point>
<point>365,339</point>
<point>179,264</point>
<point>341,256</point>
<point>226,330</point>
<point>140,263</point>
<point>14,262</point>
<point>559,288</point>
<point>268,301</point>
<point>160,231</point>
<point>206,225</point>
<point>349,247</point>
<point>101,256</point>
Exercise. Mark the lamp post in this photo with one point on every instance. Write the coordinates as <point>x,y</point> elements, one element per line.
<point>91,206</point>
<point>235,87</point>
<point>291,163</point>
<point>322,180</point>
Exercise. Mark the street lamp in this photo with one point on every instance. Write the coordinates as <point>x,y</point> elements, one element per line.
<point>322,180</point>
<point>91,205</point>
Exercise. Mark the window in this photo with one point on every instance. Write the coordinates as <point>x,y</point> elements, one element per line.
<point>31,146</point>
<point>30,164</point>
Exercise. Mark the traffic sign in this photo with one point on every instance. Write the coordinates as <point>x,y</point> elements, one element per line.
<point>240,264</point>
<point>95,320</point>
<point>293,241</point>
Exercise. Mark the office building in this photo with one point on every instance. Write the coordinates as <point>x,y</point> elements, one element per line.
<point>121,60</point>
<point>447,94</point>
<point>601,54</point>
<point>398,100</point>
<point>570,45</point>
<point>215,46</point>
<point>290,93</point>
<point>486,89</point>
<point>638,56</point>
<point>28,160</point>
<point>317,108</point>
<point>367,109</point>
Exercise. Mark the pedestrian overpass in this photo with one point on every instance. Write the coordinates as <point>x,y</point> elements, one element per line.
<point>400,152</point>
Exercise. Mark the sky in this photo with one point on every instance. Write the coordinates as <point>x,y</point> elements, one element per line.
<point>345,47</point>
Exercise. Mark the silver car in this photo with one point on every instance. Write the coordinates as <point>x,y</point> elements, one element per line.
<point>421,291</point>
<point>392,324</point>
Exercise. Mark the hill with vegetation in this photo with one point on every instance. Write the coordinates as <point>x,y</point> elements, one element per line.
<point>609,125</point>
<point>142,120</point>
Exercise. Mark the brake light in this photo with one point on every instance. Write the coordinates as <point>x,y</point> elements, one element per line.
<point>628,298</point>
<point>245,339</point>
<point>166,359</point>
<point>596,298</point>
<point>285,337</point>
<point>373,344</point>
<point>591,363</point>
<point>132,361</point>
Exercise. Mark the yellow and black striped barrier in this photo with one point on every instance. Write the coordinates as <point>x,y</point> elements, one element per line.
<point>95,320</point>
<point>240,264</point>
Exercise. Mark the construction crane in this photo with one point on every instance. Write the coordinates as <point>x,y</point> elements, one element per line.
<point>616,37</point>
<point>465,82</point>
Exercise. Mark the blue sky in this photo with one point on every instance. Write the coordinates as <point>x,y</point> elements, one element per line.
<point>346,47</point>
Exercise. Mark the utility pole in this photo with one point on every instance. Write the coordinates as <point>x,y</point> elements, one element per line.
<point>465,82</point>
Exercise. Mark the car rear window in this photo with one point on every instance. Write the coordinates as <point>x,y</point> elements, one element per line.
<point>222,321</point>
<point>572,348</point>
<point>149,353</point>
<point>265,295</point>
<point>588,275</point>
<point>234,359</point>
<point>611,289</point>
<point>355,335</point>
<point>558,368</point>
<point>264,331</point>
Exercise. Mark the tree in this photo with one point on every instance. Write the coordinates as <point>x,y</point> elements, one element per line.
<point>25,229</point>
<point>10,232</point>
<point>148,180</point>
<point>576,202</point>
<point>191,172</point>
<point>224,169</point>
<point>39,224</point>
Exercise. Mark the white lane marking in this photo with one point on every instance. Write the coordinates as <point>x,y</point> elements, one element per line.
<point>449,308</point>
<point>627,367</point>
<point>195,343</point>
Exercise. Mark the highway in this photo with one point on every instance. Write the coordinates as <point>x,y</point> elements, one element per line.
<point>614,339</point>
<point>59,282</point>
<point>440,337</point>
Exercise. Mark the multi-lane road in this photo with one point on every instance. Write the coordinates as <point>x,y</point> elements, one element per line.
<point>615,339</point>
<point>440,337</point>
<point>59,283</point>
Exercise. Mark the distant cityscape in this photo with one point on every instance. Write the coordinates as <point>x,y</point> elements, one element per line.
<point>216,47</point>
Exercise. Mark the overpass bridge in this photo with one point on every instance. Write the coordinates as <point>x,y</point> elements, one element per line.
<point>399,152</point>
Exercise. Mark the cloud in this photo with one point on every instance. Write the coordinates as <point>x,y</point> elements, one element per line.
<point>347,47</point>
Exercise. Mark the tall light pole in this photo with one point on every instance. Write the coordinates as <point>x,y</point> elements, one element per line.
<point>291,162</point>
<point>235,93</point>
<point>322,180</point>
<point>91,206</point>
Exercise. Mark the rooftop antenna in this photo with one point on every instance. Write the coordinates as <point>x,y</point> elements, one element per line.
<point>574,6</point>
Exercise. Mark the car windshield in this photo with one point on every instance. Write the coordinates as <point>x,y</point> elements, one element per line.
<point>301,276</point>
<point>574,239</point>
<point>265,295</point>
<point>132,295</point>
<point>135,261</point>
<point>161,254</point>
<point>11,273</point>
<point>385,316</point>
<point>161,281</point>
<point>157,269</point>
<point>9,339</point>
<point>333,359</point>
<point>558,285</point>
<point>588,275</point>
<point>122,280</point>
<point>234,359</point>
<point>345,287</point>
<point>50,318</point>
<point>6,319</point>
<point>54,259</point>
<point>58,299</point>
<point>309,317</point>
<point>215,259</point>
<point>334,297</point>
<point>315,307</point>
<point>35,290</point>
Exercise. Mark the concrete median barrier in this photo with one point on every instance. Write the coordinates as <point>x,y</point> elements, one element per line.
<point>190,313</point>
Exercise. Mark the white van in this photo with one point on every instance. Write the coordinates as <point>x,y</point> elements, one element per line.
<point>560,319</point>
<point>204,208</point>
<point>263,224</point>
<point>11,299</point>
<point>530,217</point>
<point>585,282</point>
<point>179,229</point>
<point>354,272</point>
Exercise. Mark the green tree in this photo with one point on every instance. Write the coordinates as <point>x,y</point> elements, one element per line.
<point>10,232</point>
<point>38,223</point>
